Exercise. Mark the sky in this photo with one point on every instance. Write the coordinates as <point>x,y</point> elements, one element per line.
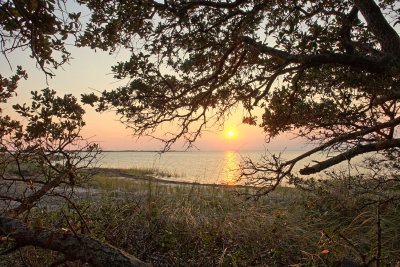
<point>90,71</point>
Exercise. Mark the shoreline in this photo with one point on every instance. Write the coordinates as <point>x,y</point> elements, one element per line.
<point>122,173</point>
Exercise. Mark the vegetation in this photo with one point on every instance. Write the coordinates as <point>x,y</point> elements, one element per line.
<point>40,26</point>
<point>169,225</point>
<point>138,172</point>
<point>325,70</point>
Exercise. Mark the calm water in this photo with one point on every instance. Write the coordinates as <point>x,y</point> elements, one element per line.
<point>202,167</point>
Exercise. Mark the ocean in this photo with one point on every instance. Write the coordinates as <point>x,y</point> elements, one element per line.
<point>216,167</point>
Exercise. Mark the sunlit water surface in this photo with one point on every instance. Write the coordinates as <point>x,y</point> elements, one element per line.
<point>219,167</point>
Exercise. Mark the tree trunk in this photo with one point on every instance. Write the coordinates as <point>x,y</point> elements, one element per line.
<point>73,246</point>
<point>386,35</point>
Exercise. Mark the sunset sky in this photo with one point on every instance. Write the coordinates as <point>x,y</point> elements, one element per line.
<point>90,71</point>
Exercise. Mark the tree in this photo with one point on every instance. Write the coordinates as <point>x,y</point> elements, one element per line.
<point>43,160</point>
<point>327,71</point>
<point>41,26</point>
<point>42,153</point>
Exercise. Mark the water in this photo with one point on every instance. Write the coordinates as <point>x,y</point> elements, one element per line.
<point>220,167</point>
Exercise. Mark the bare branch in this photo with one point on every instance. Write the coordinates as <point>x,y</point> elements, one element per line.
<point>346,137</point>
<point>358,150</point>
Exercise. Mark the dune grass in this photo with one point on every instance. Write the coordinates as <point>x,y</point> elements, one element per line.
<point>194,225</point>
<point>204,225</point>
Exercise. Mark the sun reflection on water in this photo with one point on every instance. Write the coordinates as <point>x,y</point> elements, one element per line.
<point>230,172</point>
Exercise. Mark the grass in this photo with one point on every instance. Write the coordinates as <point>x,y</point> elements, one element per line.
<point>155,172</point>
<point>203,225</point>
<point>198,225</point>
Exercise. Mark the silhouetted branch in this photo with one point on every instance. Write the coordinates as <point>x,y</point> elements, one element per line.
<point>346,137</point>
<point>358,150</point>
<point>355,61</point>
<point>386,35</point>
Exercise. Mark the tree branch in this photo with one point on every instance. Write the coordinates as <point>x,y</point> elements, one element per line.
<point>355,61</point>
<point>31,200</point>
<point>80,247</point>
<point>386,35</point>
<point>358,150</point>
<point>228,5</point>
<point>345,31</point>
<point>346,137</point>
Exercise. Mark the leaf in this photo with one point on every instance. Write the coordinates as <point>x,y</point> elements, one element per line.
<point>325,251</point>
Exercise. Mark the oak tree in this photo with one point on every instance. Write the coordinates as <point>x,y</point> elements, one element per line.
<point>43,156</point>
<point>327,71</point>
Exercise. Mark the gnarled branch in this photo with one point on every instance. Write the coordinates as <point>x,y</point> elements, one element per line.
<point>386,35</point>
<point>346,137</point>
<point>358,150</point>
<point>73,246</point>
<point>355,61</point>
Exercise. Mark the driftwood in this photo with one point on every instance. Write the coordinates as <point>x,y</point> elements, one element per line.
<point>73,246</point>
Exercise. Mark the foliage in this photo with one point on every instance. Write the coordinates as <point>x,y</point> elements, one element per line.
<point>325,70</point>
<point>44,152</point>
<point>43,156</point>
<point>39,25</point>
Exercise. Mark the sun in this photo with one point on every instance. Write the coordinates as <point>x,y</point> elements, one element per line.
<point>230,134</point>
